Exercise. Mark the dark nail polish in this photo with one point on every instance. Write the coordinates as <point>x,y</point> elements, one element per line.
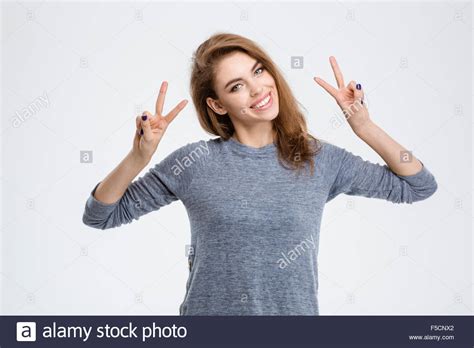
<point>141,131</point>
<point>362,102</point>
<point>144,117</point>
<point>358,86</point>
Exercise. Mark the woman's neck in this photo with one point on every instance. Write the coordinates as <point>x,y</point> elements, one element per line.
<point>253,137</point>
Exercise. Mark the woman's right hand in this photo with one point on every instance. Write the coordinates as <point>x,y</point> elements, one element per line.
<point>150,128</point>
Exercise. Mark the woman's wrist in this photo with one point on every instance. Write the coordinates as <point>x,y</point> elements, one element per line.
<point>137,160</point>
<point>365,130</point>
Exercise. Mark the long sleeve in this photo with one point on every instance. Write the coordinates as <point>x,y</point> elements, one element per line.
<point>161,185</point>
<point>352,175</point>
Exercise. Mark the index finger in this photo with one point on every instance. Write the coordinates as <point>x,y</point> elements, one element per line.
<point>330,89</point>
<point>337,72</point>
<point>161,98</point>
<point>173,113</point>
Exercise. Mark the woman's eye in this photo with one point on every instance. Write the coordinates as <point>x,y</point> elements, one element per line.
<point>233,88</point>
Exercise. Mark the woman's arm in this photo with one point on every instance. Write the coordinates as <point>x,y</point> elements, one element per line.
<point>390,151</point>
<point>112,188</point>
<point>352,175</point>
<point>149,132</point>
<point>157,188</point>
<point>116,199</point>
<point>161,185</point>
<point>350,99</point>
<point>400,181</point>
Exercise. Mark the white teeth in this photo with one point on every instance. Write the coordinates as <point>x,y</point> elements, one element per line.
<point>263,102</point>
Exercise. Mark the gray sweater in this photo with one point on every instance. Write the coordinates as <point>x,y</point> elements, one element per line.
<point>254,224</point>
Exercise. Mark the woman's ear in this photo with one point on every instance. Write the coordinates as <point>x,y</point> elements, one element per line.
<point>216,106</point>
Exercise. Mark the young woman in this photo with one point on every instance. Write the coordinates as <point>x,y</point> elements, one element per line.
<point>255,194</point>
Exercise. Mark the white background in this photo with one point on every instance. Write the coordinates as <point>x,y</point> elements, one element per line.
<point>101,63</point>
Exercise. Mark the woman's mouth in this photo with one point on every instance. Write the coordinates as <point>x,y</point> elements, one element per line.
<point>264,104</point>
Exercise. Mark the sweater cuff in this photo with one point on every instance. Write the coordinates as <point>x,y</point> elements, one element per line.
<point>98,207</point>
<point>420,178</point>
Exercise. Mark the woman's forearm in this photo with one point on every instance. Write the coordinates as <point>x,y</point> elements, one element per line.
<point>391,151</point>
<point>112,188</point>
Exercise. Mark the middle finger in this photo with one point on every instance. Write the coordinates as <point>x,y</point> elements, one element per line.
<point>161,98</point>
<point>337,72</point>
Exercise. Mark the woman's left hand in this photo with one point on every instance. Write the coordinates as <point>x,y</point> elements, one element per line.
<point>349,98</point>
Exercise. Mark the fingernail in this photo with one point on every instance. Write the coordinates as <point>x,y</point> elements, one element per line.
<point>144,117</point>
<point>358,86</point>
<point>362,102</point>
<point>141,131</point>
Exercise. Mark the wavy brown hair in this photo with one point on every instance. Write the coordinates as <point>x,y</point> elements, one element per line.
<point>296,147</point>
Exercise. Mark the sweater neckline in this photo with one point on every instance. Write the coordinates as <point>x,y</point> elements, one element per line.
<point>236,146</point>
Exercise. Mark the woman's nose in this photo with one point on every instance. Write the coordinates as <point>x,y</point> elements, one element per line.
<point>256,91</point>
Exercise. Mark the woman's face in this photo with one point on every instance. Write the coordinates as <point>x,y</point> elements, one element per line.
<point>245,90</point>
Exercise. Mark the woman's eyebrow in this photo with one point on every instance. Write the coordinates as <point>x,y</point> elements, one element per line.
<point>239,78</point>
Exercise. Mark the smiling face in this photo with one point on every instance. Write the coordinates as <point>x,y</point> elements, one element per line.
<point>246,90</point>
